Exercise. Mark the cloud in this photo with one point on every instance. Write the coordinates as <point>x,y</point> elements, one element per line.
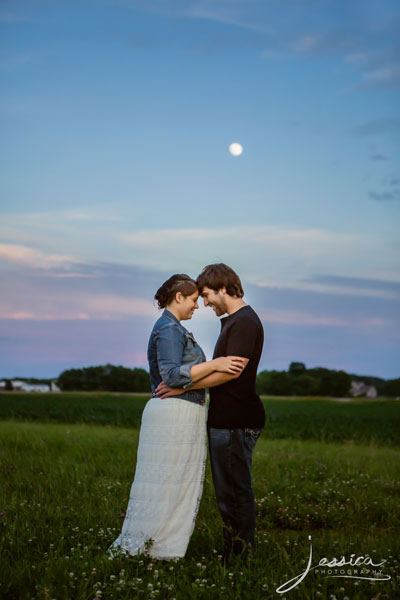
<point>55,226</point>
<point>83,306</point>
<point>387,77</point>
<point>321,44</point>
<point>302,318</point>
<point>358,283</point>
<point>378,127</point>
<point>378,157</point>
<point>263,252</point>
<point>385,196</point>
<point>113,312</point>
<point>306,43</point>
<point>356,57</point>
<point>227,12</point>
<point>221,15</point>
<point>260,253</point>
<point>22,255</point>
<point>331,288</point>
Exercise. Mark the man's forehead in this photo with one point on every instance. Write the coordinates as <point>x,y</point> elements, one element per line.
<point>206,291</point>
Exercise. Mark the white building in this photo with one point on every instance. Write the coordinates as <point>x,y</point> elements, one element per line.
<point>19,385</point>
<point>359,388</point>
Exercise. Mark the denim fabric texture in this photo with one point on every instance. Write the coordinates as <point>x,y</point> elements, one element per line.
<point>231,453</point>
<point>171,353</point>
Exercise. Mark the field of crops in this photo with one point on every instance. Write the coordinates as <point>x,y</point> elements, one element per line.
<point>322,468</point>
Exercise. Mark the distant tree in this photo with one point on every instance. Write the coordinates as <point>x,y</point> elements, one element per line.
<point>300,381</point>
<point>297,368</point>
<point>107,378</point>
<point>392,387</point>
<point>9,387</point>
<point>305,385</point>
<point>70,380</point>
<point>279,383</point>
<point>334,383</point>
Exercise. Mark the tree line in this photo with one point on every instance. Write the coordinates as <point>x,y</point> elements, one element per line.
<point>297,381</point>
<point>109,378</point>
<point>300,381</point>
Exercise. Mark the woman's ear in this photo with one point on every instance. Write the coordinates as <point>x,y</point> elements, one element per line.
<point>179,297</point>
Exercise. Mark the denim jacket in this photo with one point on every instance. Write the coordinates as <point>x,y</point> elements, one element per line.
<point>171,352</point>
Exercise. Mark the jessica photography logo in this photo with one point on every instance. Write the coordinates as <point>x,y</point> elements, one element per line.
<point>355,567</point>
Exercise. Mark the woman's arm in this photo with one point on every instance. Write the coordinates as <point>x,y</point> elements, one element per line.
<point>224,364</point>
<point>170,344</point>
<point>212,380</point>
<point>216,379</point>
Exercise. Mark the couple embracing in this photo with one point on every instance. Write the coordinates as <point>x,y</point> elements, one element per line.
<point>168,484</point>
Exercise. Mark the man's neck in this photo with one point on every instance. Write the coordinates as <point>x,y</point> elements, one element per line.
<point>234,305</point>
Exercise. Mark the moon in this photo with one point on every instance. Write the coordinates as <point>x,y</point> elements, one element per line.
<point>236,149</point>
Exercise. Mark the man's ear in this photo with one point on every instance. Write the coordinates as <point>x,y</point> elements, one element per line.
<point>222,290</point>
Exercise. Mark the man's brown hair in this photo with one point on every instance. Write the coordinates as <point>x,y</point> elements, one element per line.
<point>219,275</point>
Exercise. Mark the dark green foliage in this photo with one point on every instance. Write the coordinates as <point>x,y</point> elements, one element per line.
<point>299,381</point>
<point>276,383</point>
<point>392,387</point>
<point>297,368</point>
<point>107,378</point>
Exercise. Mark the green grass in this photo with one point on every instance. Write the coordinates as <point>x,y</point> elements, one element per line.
<point>65,486</point>
<point>324,419</point>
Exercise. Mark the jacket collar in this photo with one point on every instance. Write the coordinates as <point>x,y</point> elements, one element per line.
<point>170,316</point>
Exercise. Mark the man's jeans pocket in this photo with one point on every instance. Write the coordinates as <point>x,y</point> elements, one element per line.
<point>252,433</point>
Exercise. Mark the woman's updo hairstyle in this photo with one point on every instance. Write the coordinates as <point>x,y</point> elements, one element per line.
<point>177,283</point>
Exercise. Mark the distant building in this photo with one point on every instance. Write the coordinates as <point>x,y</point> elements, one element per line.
<point>19,385</point>
<point>359,388</point>
<point>35,387</point>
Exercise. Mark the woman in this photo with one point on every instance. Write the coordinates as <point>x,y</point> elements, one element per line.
<point>168,483</point>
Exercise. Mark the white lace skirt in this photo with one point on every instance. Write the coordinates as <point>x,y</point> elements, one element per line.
<point>166,491</point>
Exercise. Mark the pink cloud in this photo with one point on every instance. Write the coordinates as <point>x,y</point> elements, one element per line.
<point>76,305</point>
<point>22,255</point>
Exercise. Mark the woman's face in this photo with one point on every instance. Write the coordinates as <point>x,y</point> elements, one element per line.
<point>189,305</point>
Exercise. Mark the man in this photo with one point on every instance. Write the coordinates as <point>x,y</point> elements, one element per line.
<point>236,415</point>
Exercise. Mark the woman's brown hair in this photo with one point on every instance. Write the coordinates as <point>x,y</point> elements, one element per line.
<point>177,283</point>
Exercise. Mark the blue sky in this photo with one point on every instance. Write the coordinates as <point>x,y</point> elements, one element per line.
<point>116,118</point>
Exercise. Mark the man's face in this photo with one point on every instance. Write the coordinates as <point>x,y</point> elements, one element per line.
<point>215,299</point>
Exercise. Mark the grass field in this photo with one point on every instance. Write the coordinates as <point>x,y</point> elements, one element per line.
<point>322,468</point>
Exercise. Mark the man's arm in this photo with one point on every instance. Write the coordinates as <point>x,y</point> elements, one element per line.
<point>216,378</point>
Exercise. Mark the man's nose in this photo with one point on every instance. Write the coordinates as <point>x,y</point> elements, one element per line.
<point>205,301</point>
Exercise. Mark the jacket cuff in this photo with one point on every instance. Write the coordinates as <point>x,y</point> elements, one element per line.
<point>185,372</point>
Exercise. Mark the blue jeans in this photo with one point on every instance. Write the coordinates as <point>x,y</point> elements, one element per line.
<point>231,453</point>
